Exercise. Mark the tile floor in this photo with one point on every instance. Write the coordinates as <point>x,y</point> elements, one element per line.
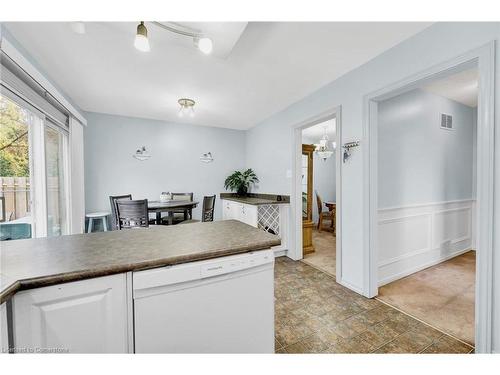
<point>314,314</point>
<point>325,256</point>
<point>442,296</point>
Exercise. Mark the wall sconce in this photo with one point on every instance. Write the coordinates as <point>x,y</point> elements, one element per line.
<point>141,154</point>
<point>207,158</point>
<point>347,149</point>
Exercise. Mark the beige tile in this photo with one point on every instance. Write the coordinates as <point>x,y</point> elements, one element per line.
<point>442,296</point>
<point>351,323</point>
<point>311,344</point>
<point>447,344</point>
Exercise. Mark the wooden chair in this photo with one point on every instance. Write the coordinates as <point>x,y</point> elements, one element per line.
<point>323,215</point>
<point>132,214</point>
<point>207,212</point>
<point>114,213</point>
<point>181,214</point>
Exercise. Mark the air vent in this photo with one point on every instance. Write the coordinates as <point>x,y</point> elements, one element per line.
<point>446,122</point>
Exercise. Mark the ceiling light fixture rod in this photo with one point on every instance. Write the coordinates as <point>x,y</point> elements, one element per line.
<point>192,33</point>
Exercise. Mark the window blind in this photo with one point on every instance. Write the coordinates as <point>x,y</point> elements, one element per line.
<point>20,86</point>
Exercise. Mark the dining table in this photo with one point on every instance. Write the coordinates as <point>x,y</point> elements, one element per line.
<point>169,206</point>
<point>332,207</point>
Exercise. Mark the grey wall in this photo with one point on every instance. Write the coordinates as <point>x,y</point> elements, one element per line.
<point>435,45</point>
<point>174,166</point>
<point>418,162</point>
<point>324,178</point>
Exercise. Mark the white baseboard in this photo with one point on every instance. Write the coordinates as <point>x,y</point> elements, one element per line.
<point>349,286</point>
<point>280,253</point>
<point>420,267</point>
<point>415,237</point>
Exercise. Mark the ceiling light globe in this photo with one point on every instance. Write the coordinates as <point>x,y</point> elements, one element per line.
<point>141,38</point>
<point>205,45</point>
<point>142,43</point>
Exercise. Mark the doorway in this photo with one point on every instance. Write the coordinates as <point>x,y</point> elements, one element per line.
<point>319,198</point>
<point>482,59</point>
<point>332,117</point>
<point>426,202</point>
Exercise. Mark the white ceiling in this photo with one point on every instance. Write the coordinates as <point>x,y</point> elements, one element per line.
<point>256,70</point>
<point>314,133</point>
<point>461,87</point>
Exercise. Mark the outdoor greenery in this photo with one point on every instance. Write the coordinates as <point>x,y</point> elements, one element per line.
<point>240,181</point>
<point>14,148</point>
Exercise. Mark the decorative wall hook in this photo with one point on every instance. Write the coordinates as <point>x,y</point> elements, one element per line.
<point>142,154</point>
<point>347,149</point>
<point>207,158</point>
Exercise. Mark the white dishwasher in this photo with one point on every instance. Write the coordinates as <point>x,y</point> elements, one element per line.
<point>222,305</point>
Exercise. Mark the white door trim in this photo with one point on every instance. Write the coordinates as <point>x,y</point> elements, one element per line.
<point>484,58</point>
<point>295,249</point>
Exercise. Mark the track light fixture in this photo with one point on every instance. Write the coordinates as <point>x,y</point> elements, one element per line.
<point>203,43</point>
<point>141,38</point>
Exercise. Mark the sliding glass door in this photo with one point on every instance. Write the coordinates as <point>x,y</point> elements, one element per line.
<point>55,169</point>
<point>16,211</point>
<point>33,173</point>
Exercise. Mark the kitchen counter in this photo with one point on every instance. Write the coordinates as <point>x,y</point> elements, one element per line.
<point>33,263</point>
<point>256,199</point>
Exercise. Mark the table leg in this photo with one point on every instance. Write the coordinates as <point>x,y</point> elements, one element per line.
<point>185,214</point>
<point>91,222</point>
<point>105,223</point>
<point>170,217</point>
<point>158,217</point>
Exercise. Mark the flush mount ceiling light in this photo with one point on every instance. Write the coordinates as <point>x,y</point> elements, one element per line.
<point>322,149</point>
<point>187,107</point>
<point>201,41</point>
<point>141,38</point>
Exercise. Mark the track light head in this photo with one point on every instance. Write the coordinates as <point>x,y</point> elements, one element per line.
<point>141,38</point>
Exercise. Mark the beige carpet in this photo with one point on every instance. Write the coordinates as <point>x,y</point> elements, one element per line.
<point>442,296</point>
<point>324,256</point>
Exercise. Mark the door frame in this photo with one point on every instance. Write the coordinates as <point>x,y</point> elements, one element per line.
<point>484,59</point>
<point>295,251</point>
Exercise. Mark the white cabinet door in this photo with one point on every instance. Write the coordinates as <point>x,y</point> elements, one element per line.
<point>4,336</point>
<point>229,210</point>
<point>248,214</point>
<point>88,316</point>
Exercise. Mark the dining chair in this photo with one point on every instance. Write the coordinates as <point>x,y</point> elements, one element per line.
<point>132,214</point>
<point>207,211</point>
<point>323,215</point>
<point>180,214</point>
<point>114,213</point>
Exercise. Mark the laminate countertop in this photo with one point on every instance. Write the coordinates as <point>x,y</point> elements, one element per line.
<point>254,201</point>
<point>33,263</point>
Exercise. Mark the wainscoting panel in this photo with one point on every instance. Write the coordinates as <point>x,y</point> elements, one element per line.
<point>412,238</point>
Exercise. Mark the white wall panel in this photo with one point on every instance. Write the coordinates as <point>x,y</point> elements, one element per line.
<point>412,238</point>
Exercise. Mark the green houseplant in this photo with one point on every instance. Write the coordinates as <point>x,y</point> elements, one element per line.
<point>240,181</point>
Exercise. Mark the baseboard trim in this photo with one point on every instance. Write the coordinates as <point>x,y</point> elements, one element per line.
<point>280,253</point>
<point>410,271</point>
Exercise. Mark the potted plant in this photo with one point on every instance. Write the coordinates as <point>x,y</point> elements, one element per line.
<point>240,181</point>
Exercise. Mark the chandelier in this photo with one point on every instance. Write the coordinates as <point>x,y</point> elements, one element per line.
<point>322,149</point>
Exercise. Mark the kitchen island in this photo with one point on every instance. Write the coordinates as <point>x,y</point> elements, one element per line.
<point>75,293</point>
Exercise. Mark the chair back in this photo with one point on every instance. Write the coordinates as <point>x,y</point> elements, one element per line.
<point>132,213</point>
<point>114,213</point>
<point>207,213</point>
<point>319,202</point>
<point>182,197</point>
